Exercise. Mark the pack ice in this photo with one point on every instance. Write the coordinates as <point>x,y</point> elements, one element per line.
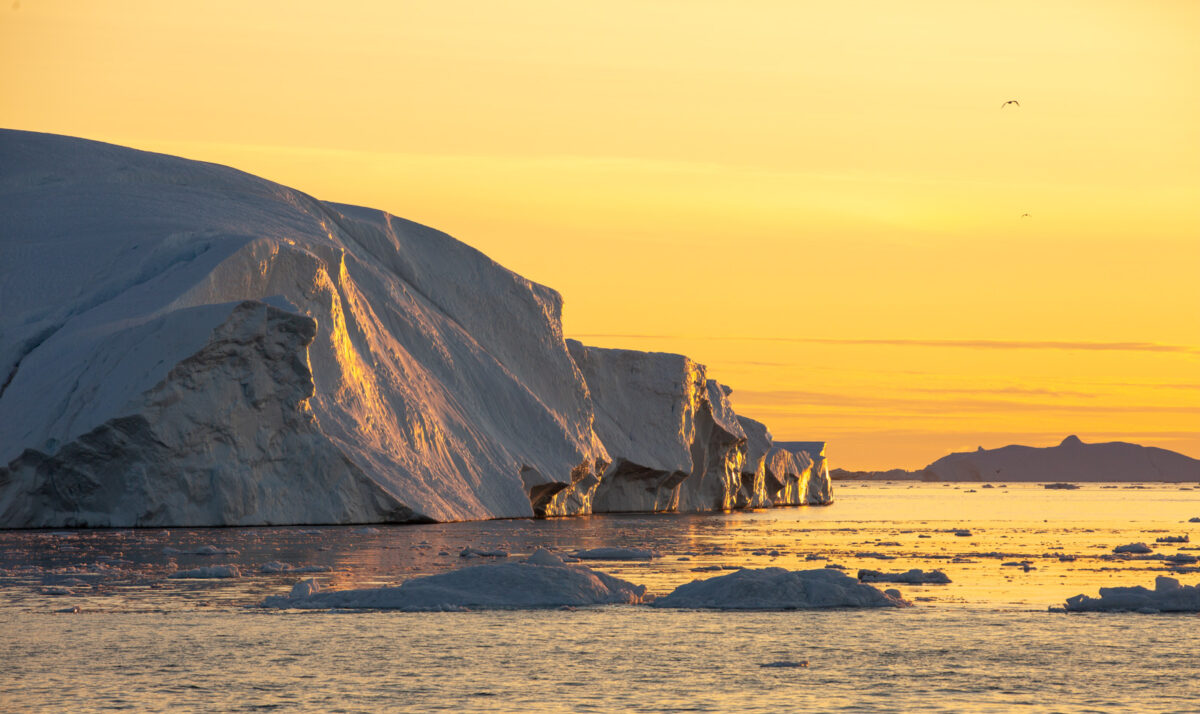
<point>185,344</point>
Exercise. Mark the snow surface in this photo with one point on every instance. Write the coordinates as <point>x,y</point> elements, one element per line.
<point>210,348</point>
<point>778,589</point>
<point>1168,595</point>
<point>1072,460</point>
<point>540,581</point>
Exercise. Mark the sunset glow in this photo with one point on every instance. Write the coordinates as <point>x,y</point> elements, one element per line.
<point>829,204</point>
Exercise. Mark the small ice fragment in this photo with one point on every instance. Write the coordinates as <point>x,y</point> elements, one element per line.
<point>208,571</point>
<point>470,552</point>
<point>541,556</point>
<point>1132,548</point>
<point>615,554</point>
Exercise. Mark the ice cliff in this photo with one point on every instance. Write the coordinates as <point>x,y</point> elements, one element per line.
<point>677,445</point>
<point>185,344</point>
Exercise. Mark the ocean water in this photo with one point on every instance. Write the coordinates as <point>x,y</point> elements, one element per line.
<point>984,642</point>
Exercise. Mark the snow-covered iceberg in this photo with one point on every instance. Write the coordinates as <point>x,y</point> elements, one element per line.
<point>779,589</point>
<point>540,581</point>
<point>1168,595</point>
<point>1071,460</point>
<point>182,343</point>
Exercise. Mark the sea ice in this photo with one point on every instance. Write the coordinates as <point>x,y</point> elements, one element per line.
<point>276,566</point>
<point>1168,595</point>
<point>916,576</point>
<point>778,589</point>
<point>1172,539</point>
<point>209,571</point>
<point>614,554</point>
<point>540,581</point>
<point>1139,548</point>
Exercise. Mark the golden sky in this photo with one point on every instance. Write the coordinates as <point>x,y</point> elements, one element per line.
<point>823,201</point>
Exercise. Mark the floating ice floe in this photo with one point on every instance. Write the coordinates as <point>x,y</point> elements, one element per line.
<point>470,552</point>
<point>1135,548</point>
<point>209,571</point>
<point>779,589</point>
<point>615,554</point>
<point>1172,539</point>
<point>200,550</point>
<point>276,566</point>
<point>916,576</point>
<point>1168,595</point>
<point>540,581</point>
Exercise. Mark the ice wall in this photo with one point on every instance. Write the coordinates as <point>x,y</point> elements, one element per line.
<point>182,343</point>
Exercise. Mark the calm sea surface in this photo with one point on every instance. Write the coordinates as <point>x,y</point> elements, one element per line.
<point>985,642</point>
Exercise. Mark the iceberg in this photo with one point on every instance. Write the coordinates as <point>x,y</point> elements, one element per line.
<point>754,490</point>
<point>540,581</point>
<point>1168,595</point>
<point>675,443</point>
<point>814,485</point>
<point>778,589</point>
<point>186,344</point>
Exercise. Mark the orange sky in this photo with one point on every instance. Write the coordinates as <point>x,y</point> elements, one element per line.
<point>821,201</point>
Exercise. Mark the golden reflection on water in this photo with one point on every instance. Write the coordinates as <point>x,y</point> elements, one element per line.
<point>1020,546</point>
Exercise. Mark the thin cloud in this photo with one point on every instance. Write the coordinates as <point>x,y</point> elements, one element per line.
<point>953,344</point>
<point>1011,391</point>
<point>798,398</point>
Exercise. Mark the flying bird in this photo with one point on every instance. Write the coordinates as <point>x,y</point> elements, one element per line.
<point>1011,101</point>
<point>1025,215</point>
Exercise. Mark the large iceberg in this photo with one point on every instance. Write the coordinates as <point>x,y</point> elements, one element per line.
<point>183,343</point>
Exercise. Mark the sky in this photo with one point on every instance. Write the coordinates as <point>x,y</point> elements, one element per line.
<point>829,204</point>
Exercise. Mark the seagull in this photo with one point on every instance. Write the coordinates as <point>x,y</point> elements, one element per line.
<point>1025,215</point>
<point>1011,101</point>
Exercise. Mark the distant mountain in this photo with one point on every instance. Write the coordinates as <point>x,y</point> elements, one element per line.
<point>1072,460</point>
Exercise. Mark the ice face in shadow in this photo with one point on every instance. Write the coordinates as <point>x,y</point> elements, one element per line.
<point>185,344</point>
<point>754,486</point>
<point>778,589</point>
<point>674,440</point>
<point>540,581</point>
<point>1168,595</point>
